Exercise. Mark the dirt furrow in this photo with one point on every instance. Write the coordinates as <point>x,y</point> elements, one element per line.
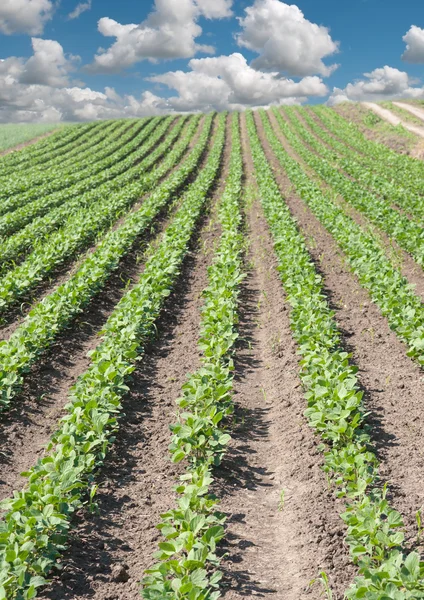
<point>393,384</point>
<point>110,550</point>
<point>13,317</point>
<point>411,270</point>
<point>283,526</point>
<point>36,412</point>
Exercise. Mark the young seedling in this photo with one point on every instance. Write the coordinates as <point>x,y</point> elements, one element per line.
<point>282,500</point>
<point>323,579</point>
<point>419,519</point>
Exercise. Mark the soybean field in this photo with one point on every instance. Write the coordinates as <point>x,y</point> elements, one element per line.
<point>211,358</point>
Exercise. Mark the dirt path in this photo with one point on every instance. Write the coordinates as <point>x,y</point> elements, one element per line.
<point>136,484</point>
<point>414,110</point>
<point>393,384</point>
<point>276,543</point>
<point>393,119</point>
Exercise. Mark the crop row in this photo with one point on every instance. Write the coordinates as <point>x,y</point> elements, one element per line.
<point>187,555</point>
<point>77,179</point>
<point>20,181</point>
<point>361,171</point>
<point>79,231</point>
<point>408,234</point>
<point>55,145</point>
<point>390,291</point>
<point>37,519</point>
<point>335,408</point>
<point>57,310</point>
<point>17,245</point>
<point>99,140</point>
<point>51,316</point>
<point>406,171</point>
<point>85,194</point>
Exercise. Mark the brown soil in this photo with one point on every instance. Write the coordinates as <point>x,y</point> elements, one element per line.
<point>393,384</point>
<point>403,261</point>
<point>12,318</point>
<point>46,386</point>
<point>274,550</point>
<point>136,484</point>
<point>283,524</point>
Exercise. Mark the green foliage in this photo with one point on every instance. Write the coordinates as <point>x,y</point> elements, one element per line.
<point>54,146</point>
<point>192,530</point>
<point>48,318</point>
<point>14,134</point>
<point>335,408</point>
<point>388,288</point>
<point>406,172</point>
<point>370,193</point>
<point>37,519</point>
<point>83,226</point>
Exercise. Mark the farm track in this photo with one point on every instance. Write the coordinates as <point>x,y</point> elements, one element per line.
<point>274,553</point>
<point>409,268</point>
<point>384,369</point>
<point>414,110</point>
<point>393,119</point>
<point>46,387</point>
<point>137,481</point>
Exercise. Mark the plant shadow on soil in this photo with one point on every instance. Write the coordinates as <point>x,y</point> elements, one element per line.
<point>236,472</point>
<point>381,440</point>
<point>96,544</point>
<point>46,386</point>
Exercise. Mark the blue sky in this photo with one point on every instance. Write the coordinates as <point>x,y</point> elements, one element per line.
<point>369,33</point>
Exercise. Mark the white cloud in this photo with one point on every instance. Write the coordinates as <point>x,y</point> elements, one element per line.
<point>385,83</point>
<point>39,89</point>
<point>169,32</point>
<point>215,9</point>
<point>48,65</point>
<point>228,82</point>
<point>285,40</point>
<point>82,7</point>
<point>225,82</point>
<point>25,16</point>
<point>414,40</point>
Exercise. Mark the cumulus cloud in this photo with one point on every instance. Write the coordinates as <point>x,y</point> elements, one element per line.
<point>228,82</point>
<point>221,83</point>
<point>215,9</point>
<point>414,40</point>
<point>80,8</point>
<point>285,40</point>
<point>24,16</point>
<point>48,65</point>
<point>21,102</point>
<point>169,32</point>
<point>385,83</point>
